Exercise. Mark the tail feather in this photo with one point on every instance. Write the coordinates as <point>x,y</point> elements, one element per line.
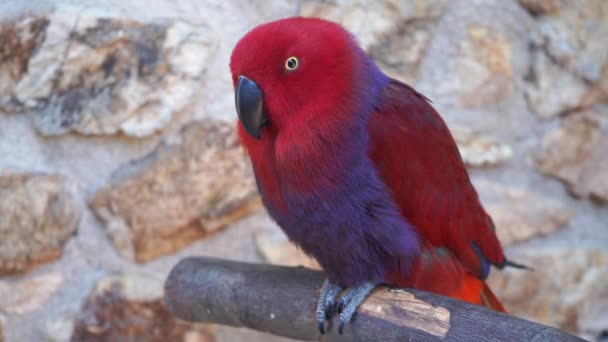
<point>489,299</point>
<point>509,263</point>
<point>438,271</point>
<point>476,291</point>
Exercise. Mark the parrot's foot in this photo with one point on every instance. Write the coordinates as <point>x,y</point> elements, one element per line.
<point>350,301</point>
<point>326,304</point>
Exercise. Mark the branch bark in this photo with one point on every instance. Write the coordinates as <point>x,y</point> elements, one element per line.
<point>281,301</point>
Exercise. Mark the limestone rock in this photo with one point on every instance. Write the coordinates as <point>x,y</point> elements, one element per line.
<point>394,33</point>
<point>472,68</point>
<point>486,65</point>
<point>113,312</point>
<point>28,295</point>
<point>541,7</point>
<point>576,154</point>
<point>369,20</point>
<point>399,51</point>
<point>569,52</point>
<point>567,289</point>
<point>38,214</point>
<point>602,87</point>
<point>58,329</point>
<point>275,248</point>
<point>479,151</point>
<point>573,36</point>
<point>96,75</point>
<point>476,65</point>
<point>179,193</point>
<point>547,100</point>
<point>18,42</point>
<point>521,214</point>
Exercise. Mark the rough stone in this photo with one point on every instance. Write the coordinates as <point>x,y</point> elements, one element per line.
<point>600,90</point>
<point>275,248</point>
<point>479,151</point>
<point>38,214</point>
<point>567,289</point>
<point>21,297</point>
<point>541,7</point>
<point>179,193</point>
<point>475,66</point>
<point>399,51</point>
<point>394,33</point>
<point>113,312</point>
<point>58,329</point>
<point>369,20</point>
<point>486,64</point>
<point>521,214</point>
<point>95,75</point>
<point>472,68</point>
<point>573,36</point>
<point>568,52</point>
<point>247,335</point>
<point>17,42</point>
<point>576,153</point>
<point>547,100</point>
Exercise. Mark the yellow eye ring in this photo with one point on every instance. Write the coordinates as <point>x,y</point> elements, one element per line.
<point>292,63</point>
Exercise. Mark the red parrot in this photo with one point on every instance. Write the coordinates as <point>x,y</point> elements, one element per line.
<point>358,169</point>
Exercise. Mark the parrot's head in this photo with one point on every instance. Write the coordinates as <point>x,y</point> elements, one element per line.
<point>299,74</point>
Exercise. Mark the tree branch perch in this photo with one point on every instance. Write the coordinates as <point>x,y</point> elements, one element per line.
<point>281,301</point>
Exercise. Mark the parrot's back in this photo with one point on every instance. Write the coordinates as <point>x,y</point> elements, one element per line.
<point>419,161</point>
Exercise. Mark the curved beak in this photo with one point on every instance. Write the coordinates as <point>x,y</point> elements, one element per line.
<point>249,102</point>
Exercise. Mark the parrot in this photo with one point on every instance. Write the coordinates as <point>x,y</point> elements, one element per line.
<point>358,169</point>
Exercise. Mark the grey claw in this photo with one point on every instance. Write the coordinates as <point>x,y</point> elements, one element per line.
<point>326,303</point>
<point>350,301</point>
<point>346,297</point>
<point>341,327</point>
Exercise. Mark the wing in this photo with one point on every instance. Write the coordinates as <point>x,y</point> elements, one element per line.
<point>419,161</point>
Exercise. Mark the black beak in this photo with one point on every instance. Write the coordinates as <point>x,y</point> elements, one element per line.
<point>249,102</point>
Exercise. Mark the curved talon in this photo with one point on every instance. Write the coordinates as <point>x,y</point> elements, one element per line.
<point>341,327</point>
<point>326,303</point>
<point>322,327</point>
<point>346,297</point>
<point>350,301</point>
<point>321,321</point>
<point>327,313</point>
<point>346,318</point>
<point>347,306</point>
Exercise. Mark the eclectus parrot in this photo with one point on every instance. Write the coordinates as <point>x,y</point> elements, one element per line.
<point>358,169</point>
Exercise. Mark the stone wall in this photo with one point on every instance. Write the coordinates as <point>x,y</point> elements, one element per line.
<point>118,156</point>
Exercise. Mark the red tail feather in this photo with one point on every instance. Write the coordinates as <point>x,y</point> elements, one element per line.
<point>476,291</point>
<point>489,299</point>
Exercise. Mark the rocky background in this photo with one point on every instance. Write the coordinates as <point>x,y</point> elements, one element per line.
<point>118,156</point>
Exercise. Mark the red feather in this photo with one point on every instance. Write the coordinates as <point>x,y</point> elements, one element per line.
<point>419,161</point>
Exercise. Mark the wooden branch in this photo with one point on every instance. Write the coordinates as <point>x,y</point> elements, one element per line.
<point>281,301</point>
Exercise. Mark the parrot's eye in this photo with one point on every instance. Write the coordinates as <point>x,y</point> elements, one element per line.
<point>292,63</point>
